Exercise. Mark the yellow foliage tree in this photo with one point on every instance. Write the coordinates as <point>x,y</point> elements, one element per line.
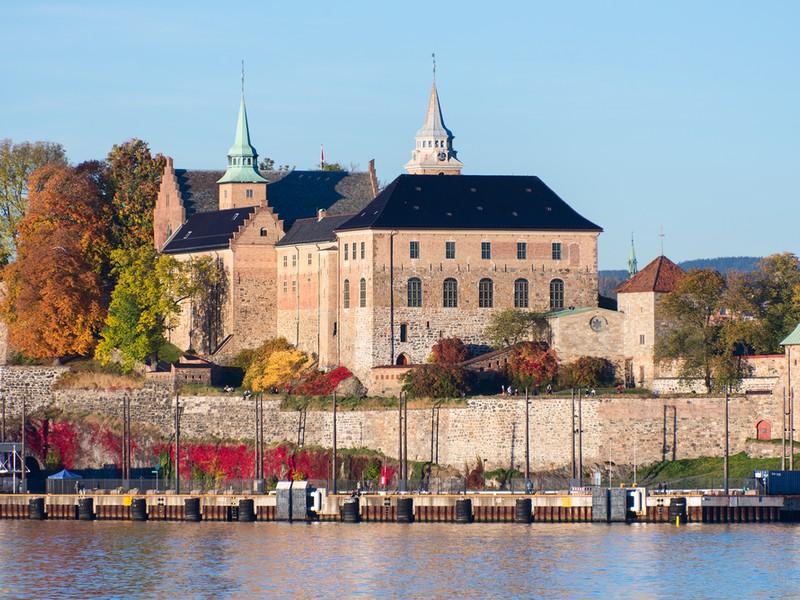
<point>276,370</point>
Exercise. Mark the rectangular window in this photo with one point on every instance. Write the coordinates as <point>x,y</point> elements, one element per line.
<point>413,249</point>
<point>449,250</point>
<point>354,250</point>
<point>285,259</point>
<point>285,287</point>
<point>249,193</point>
<point>346,250</point>
<point>363,250</point>
<point>309,258</point>
<point>294,287</point>
<point>556,250</point>
<point>522,251</point>
<point>486,250</point>
<point>403,332</point>
<point>641,340</point>
<point>294,260</point>
<point>414,292</point>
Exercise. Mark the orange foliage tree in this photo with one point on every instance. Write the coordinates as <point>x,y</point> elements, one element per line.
<point>531,364</point>
<point>55,289</point>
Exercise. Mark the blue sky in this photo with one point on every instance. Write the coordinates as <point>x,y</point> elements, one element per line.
<point>641,115</point>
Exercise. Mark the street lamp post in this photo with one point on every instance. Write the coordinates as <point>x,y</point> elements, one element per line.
<point>334,485</point>
<point>527,437</point>
<point>727,446</point>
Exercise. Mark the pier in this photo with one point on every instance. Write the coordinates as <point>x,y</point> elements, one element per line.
<point>604,505</point>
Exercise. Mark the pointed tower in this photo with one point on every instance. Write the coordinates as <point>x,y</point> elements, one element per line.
<point>434,154</point>
<point>632,268</point>
<point>242,184</point>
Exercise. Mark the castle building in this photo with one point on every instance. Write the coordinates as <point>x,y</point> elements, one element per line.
<point>366,280</point>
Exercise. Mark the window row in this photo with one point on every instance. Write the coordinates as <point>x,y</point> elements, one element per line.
<point>486,250</point>
<point>362,293</point>
<point>485,293</point>
<point>294,257</point>
<point>355,247</point>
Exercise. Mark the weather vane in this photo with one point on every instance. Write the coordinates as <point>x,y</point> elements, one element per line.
<point>243,76</point>
<point>661,235</point>
<point>433,56</point>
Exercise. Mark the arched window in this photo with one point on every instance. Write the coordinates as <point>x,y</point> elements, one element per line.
<point>414,292</point>
<point>521,293</point>
<point>556,294</point>
<point>485,293</point>
<point>450,289</point>
<point>362,293</point>
<point>346,294</point>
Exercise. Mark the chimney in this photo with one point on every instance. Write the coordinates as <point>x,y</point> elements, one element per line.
<point>321,214</point>
<point>373,177</point>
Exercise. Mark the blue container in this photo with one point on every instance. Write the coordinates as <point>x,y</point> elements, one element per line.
<point>781,483</point>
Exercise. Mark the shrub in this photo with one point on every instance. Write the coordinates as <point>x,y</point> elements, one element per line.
<point>449,351</point>
<point>318,383</point>
<point>586,371</point>
<point>437,381</point>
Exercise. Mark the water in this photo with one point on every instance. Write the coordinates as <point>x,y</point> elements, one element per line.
<point>117,559</point>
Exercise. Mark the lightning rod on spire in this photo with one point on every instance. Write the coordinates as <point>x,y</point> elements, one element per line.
<point>242,76</point>
<point>433,56</point>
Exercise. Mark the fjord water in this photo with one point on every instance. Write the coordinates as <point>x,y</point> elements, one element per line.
<point>115,559</point>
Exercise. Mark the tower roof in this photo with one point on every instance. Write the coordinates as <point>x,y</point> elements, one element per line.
<point>434,123</point>
<point>242,157</point>
<point>662,275</point>
<point>793,338</point>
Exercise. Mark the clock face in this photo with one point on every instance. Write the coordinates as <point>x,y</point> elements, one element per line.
<point>596,323</point>
<point>442,156</point>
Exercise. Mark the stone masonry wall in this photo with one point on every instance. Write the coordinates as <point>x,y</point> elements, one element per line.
<point>614,427</point>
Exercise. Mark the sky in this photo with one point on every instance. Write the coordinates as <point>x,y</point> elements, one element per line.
<point>681,116</point>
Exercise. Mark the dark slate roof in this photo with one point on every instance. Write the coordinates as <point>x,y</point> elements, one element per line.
<point>308,231</point>
<point>661,275</point>
<point>293,194</point>
<point>469,202</point>
<point>207,231</point>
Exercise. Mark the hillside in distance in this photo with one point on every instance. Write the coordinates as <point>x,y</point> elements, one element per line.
<point>610,279</point>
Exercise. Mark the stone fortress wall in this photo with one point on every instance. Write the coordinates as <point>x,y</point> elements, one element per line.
<point>616,428</point>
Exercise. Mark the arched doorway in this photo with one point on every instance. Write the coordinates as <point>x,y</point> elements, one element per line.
<point>763,430</point>
<point>402,360</point>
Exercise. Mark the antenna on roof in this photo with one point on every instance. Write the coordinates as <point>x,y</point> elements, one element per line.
<point>661,235</point>
<point>433,56</point>
<point>242,76</point>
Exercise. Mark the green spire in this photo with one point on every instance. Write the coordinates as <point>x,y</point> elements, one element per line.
<point>242,157</point>
<point>632,268</point>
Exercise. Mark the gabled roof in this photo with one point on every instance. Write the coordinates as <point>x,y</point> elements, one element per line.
<point>309,231</point>
<point>661,275</point>
<point>793,338</point>
<point>469,202</point>
<point>208,231</point>
<point>292,194</point>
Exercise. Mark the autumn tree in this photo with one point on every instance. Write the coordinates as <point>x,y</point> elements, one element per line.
<point>134,175</point>
<point>146,301</point>
<point>437,381</point>
<point>55,289</point>
<point>449,351</point>
<point>511,326</point>
<point>531,365</point>
<point>696,342</point>
<point>586,371</point>
<point>275,370</point>
<point>17,162</point>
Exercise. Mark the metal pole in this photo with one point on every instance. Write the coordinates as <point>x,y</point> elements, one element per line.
<point>334,487</point>
<point>255,440</point>
<point>791,427</point>
<point>24,421</point>
<point>573,433</point>
<point>400,486</point>
<point>527,438</point>
<point>433,410</point>
<point>438,410</point>
<point>405,439</point>
<point>580,437</point>
<point>4,418</point>
<point>783,434</point>
<point>727,448</point>
<point>177,445</point>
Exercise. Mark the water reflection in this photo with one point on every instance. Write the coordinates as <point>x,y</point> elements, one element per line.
<point>69,559</point>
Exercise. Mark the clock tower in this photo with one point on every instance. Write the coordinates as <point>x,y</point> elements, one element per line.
<point>434,154</point>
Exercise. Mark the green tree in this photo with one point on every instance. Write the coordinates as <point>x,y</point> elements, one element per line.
<point>146,301</point>
<point>586,370</point>
<point>134,176</point>
<point>510,326</point>
<point>437,381</point>
<point>17,162</point>
<point>698,341</point>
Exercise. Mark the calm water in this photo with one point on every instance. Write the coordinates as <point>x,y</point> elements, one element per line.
<point>63,559</point>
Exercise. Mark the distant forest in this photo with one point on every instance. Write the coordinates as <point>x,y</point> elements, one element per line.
<point>610,279</point>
